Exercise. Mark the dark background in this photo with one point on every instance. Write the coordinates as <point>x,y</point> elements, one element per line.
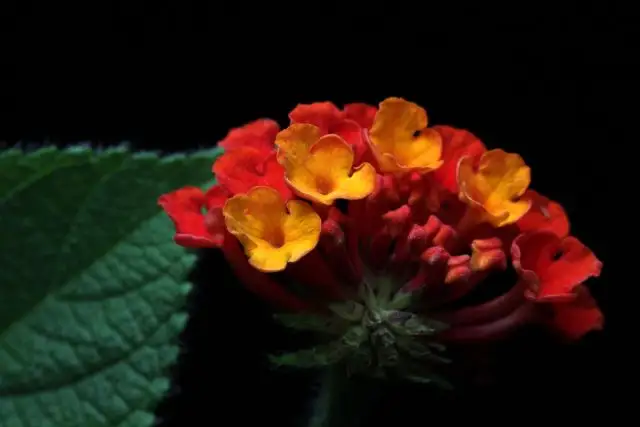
<point>556,83</point>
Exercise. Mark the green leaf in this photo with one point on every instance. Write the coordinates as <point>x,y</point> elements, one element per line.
<point>310,322</point>
<point>92,289</point>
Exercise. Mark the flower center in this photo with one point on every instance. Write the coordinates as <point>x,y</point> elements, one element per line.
<point>275,237</point>
<point>323,185</point>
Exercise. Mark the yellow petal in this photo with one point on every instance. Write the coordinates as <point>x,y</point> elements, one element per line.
<point>393,141</point>
<point>270,235</point>
<point>501,178</point>
<point>301,229</point>
<point>296,140</point>
<point>325,174</point>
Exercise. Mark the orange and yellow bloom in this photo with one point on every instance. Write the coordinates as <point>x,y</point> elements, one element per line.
<point>394,144</point>
<point>321,168</point>
<point>371,214</point>
<point>273,233</point>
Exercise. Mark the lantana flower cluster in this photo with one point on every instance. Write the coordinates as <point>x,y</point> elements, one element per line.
<point>368,224</point>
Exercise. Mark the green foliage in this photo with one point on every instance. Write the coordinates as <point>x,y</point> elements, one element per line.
<point>92,288</point>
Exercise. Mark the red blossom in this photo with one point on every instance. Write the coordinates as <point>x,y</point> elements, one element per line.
<point>186,208</point>
<point>240,170</point>
<point>259,134</point>
<point>544,215</point>
<point>363,114</point>
<point>456,144</point>
<point>575,318</point>
<point>552,266</point>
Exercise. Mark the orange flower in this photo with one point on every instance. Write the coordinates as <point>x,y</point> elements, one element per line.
<point>393,142</point>
<point>320,168</point>
<point>272,233</point>
<point>493,188</point>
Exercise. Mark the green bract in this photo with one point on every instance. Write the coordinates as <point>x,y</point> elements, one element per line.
<point>92,287</point>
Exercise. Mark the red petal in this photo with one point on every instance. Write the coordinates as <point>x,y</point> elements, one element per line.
<point>185,208</point>
<point>575,318</point>
<point>362,114</point>
<point>215,197</point>
<point>456,143</point>
<point>544,215</point>
<point>553,267</point>
<point>351,132</point>
<point>322,114</point>
<point>260,134</point>
<point>240,170</point>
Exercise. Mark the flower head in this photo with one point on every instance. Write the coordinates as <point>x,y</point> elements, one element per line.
<point>394,144</point>
<point>391,272</point>
<point>273,233</point>
<point>494,186</point>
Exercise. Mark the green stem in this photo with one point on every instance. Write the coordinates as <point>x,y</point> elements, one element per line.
<point>342,401</point>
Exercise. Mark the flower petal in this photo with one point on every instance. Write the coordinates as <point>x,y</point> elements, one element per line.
<point>456,143</point>
<point>267,231</point>
<point>259,134</point>
<point>393,142</point>
<point>242,169</point>
<point>301,229</point>
<point>321,114</point>
<point>499,179</point>
<point>185,208</point>
<point>215,197</point>
<point>325,174</point>
<point>553,267</point>
<point>575,318</point>
<point>363,114</point>
<point>544,215</point>
<point>296,140</point>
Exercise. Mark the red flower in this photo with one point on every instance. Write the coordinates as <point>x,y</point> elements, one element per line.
<point>554,270</point>
<point>242,169</point>
<point>196,215</point>
<point>259,134</point>
<point>544,215</point>
<point>553,267</point>
<point>576,318</point>
<point>363,114</point>
<point>456,144</point>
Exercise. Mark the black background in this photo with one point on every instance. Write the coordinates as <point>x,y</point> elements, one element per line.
<point>556,83</point>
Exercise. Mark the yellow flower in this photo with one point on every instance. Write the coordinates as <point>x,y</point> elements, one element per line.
<point>393,141</point>
<point>495,186</point>
<point>272,233</point>
<point>321,168</point>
